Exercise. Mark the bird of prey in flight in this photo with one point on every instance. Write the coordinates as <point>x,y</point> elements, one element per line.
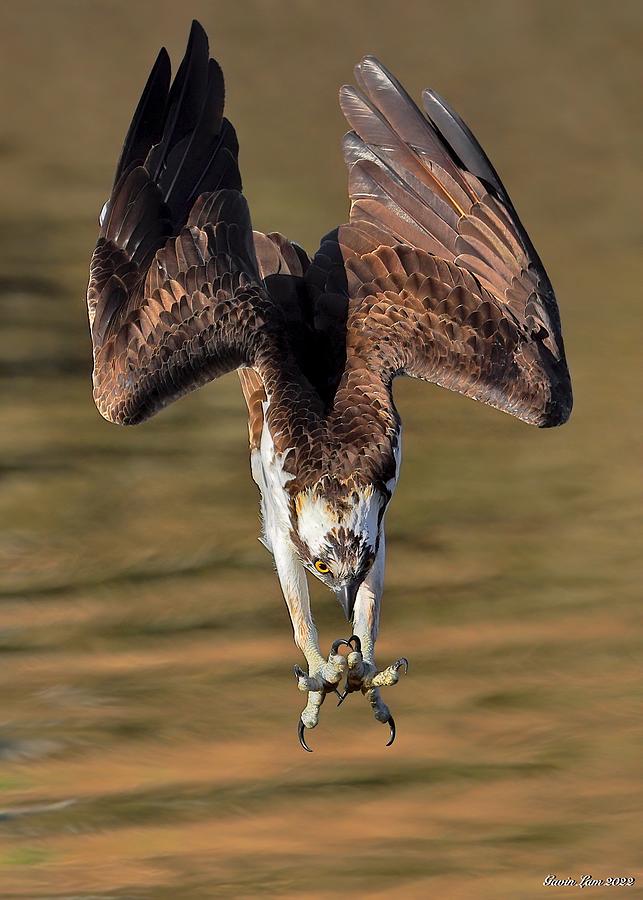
<point>433,277</point>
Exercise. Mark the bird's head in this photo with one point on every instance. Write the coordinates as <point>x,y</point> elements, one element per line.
<point>337,533</point>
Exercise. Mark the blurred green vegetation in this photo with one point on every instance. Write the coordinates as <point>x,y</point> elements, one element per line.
<point>146,649</point>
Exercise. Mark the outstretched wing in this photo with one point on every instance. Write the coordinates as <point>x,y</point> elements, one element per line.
<point>444,283</point>
<point>175,298</point>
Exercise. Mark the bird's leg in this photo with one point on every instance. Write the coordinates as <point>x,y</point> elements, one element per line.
<point>324,674</point>
<point>363,674</point>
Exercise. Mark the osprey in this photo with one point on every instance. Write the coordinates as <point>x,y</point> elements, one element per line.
<point>433,277</point>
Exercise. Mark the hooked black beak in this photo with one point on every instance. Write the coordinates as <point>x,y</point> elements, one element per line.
<point>346,596</point>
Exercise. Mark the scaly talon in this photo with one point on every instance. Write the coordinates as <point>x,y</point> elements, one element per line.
<point>320,681</point>
<point>390,675</point>
<point>363,676</point>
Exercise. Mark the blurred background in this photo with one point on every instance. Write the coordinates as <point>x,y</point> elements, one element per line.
<point>148,715</point>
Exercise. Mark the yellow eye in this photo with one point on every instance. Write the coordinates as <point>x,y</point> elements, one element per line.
<point>321,567</point>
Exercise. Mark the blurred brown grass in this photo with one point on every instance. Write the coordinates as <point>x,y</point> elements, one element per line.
<point>146,650</point>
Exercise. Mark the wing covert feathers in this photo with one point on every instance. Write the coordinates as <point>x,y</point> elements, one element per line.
<point>438,261</point>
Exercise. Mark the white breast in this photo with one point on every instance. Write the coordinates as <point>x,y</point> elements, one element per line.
<point>268,472</point>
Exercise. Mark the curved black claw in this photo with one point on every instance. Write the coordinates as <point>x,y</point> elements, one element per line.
<point>302,739</point>
<point>358,644</point>
<point>391,724</point>
<point>342,697</point>
<point>339,643</point>
<point>299,672</point>
<point>403,662</point>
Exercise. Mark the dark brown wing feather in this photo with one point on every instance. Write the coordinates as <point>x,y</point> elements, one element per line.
<point>434,277</point>
<point>175,298</point>
<point>282,265</point>
<point>444,282</point>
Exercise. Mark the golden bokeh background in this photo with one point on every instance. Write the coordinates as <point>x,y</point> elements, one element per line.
<point>148,710</point>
